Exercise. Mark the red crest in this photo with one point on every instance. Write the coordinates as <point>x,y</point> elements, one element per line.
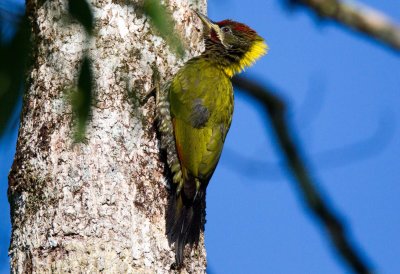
<point>239,27</point>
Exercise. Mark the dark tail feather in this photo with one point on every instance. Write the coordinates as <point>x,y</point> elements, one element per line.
<point>185,220</point>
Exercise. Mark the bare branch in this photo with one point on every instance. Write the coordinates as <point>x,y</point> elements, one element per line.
<point>357,17</point>
<point>370,145</point>
<point>275,109</point>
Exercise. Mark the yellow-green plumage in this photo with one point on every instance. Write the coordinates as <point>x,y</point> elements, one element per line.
<point>201,110</point>
<point>195,113</point>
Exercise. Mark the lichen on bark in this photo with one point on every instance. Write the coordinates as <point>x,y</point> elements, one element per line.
<point>97,206</point>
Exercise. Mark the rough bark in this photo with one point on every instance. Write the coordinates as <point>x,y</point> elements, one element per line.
<point>97,206</point>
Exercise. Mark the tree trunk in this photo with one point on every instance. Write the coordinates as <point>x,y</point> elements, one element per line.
<point>97,206</point>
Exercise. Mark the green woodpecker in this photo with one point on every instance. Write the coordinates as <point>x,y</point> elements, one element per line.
<point>195,112</point>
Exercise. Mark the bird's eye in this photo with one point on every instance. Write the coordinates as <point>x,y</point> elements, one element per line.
<point>225,29</point>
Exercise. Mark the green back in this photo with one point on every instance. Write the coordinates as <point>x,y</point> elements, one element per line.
<point>201,101</point>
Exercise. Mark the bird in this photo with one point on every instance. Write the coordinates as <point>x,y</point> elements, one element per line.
<point>194,112</point>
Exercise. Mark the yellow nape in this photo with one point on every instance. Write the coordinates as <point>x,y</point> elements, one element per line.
<point>258,49</point>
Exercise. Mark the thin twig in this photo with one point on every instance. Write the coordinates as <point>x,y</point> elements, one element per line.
<point>357,17</point>
<point>275,109</point>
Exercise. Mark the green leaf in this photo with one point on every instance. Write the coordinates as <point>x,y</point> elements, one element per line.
<point>163,22</point>
<point>80,10</point>
<point>14,58</point>
<point>81,100</point>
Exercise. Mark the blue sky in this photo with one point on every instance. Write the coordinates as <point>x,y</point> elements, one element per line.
<point>343,92</point>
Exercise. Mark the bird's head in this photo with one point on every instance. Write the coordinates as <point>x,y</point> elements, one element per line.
<point>237,43</point>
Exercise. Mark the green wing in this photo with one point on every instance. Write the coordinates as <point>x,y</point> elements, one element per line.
<point>201,101</point>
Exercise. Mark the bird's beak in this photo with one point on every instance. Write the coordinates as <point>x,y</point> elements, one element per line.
<point>210,26</point>
<point>207,23</point>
